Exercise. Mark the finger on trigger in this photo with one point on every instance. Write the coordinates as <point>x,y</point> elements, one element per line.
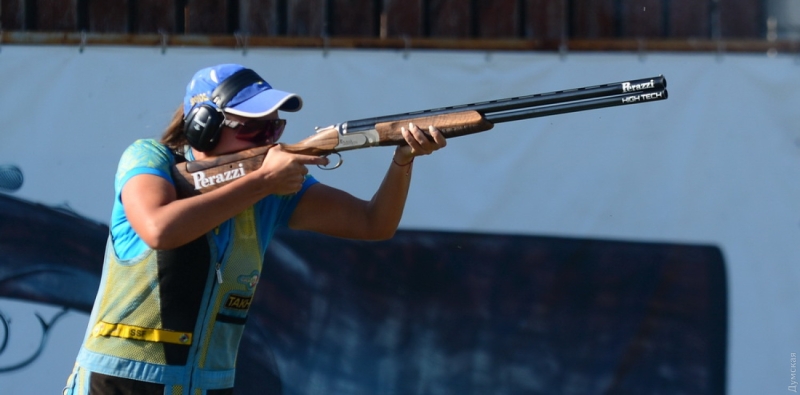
<point>310,160</point>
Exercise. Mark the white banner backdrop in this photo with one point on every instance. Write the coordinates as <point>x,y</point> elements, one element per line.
<point>717,163</point>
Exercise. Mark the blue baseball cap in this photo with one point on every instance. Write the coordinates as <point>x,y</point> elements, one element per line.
<point>255,100</point>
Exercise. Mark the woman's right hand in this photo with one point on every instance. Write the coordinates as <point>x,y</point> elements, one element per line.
<point>283,173</point>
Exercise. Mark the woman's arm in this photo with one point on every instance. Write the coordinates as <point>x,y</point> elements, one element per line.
<point>162,221</point>
<point>337,213</point>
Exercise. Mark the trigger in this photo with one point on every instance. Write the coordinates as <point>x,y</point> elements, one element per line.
<point>336,166</point>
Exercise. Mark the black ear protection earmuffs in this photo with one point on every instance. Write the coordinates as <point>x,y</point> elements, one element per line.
<point>203,123</point>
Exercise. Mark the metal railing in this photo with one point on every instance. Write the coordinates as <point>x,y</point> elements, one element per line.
<point>634,25</point>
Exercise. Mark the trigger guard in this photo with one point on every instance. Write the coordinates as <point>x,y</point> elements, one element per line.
<point>336,166</point>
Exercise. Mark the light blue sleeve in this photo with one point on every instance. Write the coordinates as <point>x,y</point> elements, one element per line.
<point>145,156</point>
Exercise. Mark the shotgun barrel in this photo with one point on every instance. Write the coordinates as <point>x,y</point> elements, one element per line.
<point>494,110</point>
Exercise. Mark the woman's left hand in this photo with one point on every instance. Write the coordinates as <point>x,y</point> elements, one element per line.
<point>418,143</point>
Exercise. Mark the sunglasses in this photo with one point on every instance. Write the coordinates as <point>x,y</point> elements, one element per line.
<point>258,130</point>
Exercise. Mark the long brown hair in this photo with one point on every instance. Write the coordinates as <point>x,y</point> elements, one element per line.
<point>174,136</point>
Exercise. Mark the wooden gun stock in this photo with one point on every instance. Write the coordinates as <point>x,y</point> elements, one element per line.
<point>193,178</point>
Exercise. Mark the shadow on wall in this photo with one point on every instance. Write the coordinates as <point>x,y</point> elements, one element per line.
<point>49,256</point>
<point>434,312</point>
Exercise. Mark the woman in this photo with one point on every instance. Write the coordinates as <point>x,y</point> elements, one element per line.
<point>179,274</point>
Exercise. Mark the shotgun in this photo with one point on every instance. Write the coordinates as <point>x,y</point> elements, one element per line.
<point>196,177</point>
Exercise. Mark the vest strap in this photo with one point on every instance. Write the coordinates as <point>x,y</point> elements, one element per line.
<point>138,333</point>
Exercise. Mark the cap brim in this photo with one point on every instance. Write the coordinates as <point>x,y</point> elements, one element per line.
<point>267,102</point>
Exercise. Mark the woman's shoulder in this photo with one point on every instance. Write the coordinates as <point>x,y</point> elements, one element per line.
<point>144,151</point>
<point>148,147</point>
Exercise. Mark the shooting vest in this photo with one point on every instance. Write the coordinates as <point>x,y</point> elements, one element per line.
<point>173,317</point>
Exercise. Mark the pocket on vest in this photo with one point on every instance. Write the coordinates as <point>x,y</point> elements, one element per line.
<point>224,343</point>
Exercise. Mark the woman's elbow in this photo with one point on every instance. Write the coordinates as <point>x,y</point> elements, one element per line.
<point>156,237</point>
<point>155,242</point>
